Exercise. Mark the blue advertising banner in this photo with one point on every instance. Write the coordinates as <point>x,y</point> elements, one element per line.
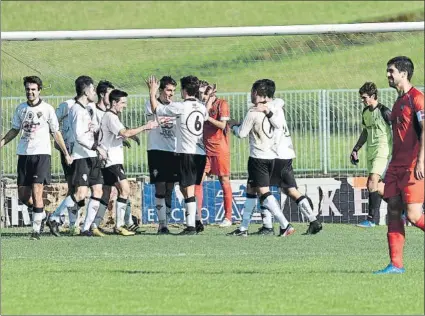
<point>212,206</point>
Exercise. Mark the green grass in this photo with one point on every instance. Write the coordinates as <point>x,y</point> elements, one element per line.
<point>329,273</point>
<point>311,62</point>
<point>84,15</point>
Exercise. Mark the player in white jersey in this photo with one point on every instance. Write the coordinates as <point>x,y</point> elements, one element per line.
<point>86,153</point>
<point>112,133</point>
<point>261,159</point>
<point>36,120</point>
<point>190,117</point>
<point>283,173</point>
<point>162,159</point>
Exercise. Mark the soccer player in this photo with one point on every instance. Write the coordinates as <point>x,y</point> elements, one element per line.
<point>404,178</point>
<point>261,159</point>
<point>54,219</point>
<point>87,154</point>
<point>112,132</point>
<point>162,160</point>
<point>190,117</point>
<point>283,173</point>
<point>36,120</point>
<point>377,135</point>
<point>217,147</point>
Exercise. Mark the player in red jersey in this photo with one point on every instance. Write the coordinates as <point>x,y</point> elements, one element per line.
<point>217,147</point>
<point>404,179</point>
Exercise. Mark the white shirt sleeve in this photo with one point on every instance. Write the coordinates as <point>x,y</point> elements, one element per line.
<point>115,125</point>
<point>53,120</point>
<point>246,126</point>
<point>16,120</point>
<point>172,109</point>
<point>62,111</point>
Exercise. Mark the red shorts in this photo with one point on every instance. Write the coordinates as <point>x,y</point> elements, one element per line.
<point>218,165</point>
<point>402,181</point>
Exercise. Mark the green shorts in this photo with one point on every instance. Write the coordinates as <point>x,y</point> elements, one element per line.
<point>378,165</point>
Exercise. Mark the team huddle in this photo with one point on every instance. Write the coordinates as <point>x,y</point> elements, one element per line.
<point>189,140</point>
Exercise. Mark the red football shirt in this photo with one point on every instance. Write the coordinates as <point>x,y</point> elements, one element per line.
<point>407,108</point>
<point>216,140</point>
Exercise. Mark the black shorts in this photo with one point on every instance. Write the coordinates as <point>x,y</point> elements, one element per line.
<point>191,169</point>
<point>86,172</point>
<point>259,172</point>
<point>113,174</point>
<point>163,166</point>
<point>67,171</point>
<point>283,174</point>
<point>34,169</point>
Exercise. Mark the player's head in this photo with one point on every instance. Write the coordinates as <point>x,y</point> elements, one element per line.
<point>33,86</point>
<point>262,90</point>
<point>399,70</point>
<point>167,88</point>
<point>204,87</point>
<point>84,87</point>
<point>368,93</point>
<point>189,86</point>
<point>102,90</point>
<point>118,100</point>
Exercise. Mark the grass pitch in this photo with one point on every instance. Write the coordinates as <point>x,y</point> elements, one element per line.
<point>329,273</point>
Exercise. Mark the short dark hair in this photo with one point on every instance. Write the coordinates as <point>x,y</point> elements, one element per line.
<point>190,84</point>
<point>116,95</point>
<point>166,80</point>
<point>403,63</point>
<point>33,79</point>
<point>370,89</point>
<point>203,83</point>
<point>81,83</point>
<point>264,88</point>
<point>102,88</point>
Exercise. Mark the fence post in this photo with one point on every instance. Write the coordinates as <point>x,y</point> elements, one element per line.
<point>324,118</point>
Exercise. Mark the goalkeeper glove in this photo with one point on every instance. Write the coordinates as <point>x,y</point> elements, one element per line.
<point>354,157</point>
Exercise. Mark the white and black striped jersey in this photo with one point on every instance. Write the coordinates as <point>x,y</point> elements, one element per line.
<point>190,117</point>
<point>36,123</point>
<point>83,126</point>
<point>62,115</point>
<point>110,140</point>
<point>261,134</point>
<point>164,137</point>
<point>283,141</point>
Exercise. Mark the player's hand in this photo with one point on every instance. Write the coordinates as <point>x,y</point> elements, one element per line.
<point>136,139</point>
<point>68,160</point>
<point>151,125</point>
<point>419,170</point>
<point>103,155</point>
<point>152,83</point>
<point>232,123</point>
<point>126,143</point>
<point>261,107</point>
<point>354,157</point>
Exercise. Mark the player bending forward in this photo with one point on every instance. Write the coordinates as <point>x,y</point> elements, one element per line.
<point>283,173</point>
<point>261,159</point>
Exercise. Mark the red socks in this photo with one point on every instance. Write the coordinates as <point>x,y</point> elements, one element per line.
<point>199,194</point>
<point>396,239</point>
<point>228,198</point>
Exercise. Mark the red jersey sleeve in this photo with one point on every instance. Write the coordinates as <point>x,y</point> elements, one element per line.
<point>224,111</point>
<point>418,105</point>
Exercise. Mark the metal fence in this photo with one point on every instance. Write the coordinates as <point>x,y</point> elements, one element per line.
<point>325,125</point>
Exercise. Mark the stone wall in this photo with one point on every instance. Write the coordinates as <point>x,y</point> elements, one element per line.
<point>55,193</point>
